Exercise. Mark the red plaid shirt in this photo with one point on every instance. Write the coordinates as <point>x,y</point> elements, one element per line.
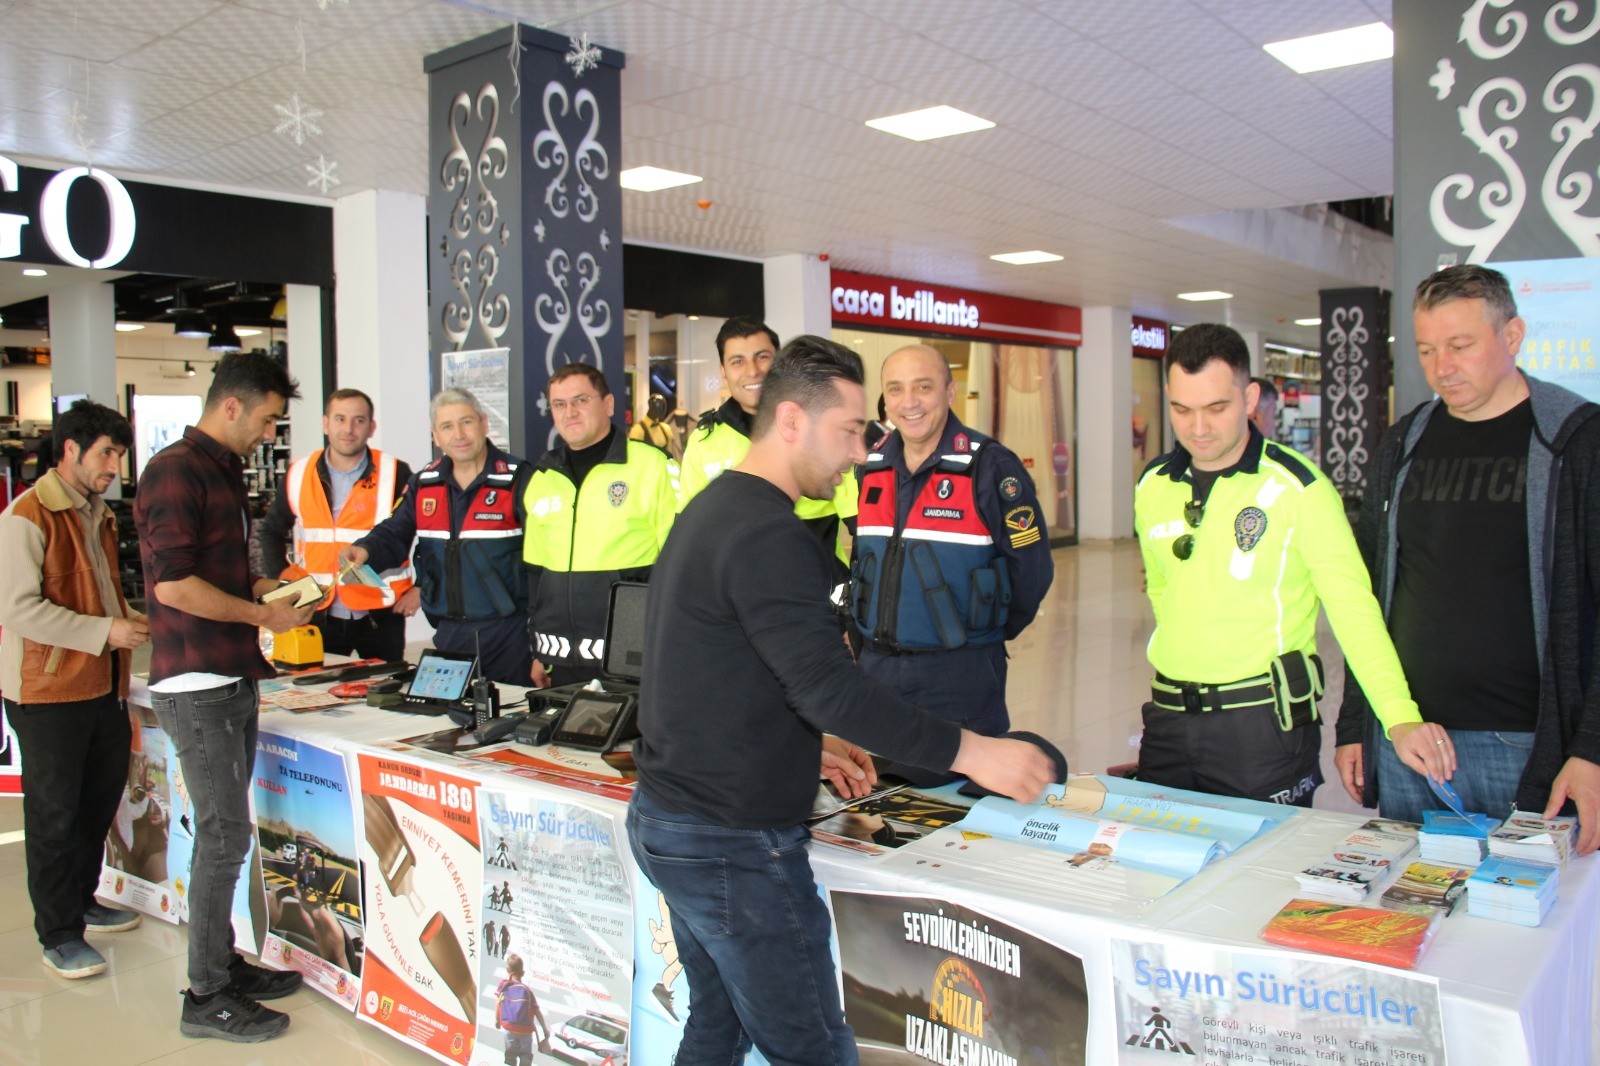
<point>192,516</point>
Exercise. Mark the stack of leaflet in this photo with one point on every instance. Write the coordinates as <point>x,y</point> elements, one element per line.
<point>1358,862</point>
<point>1455,839</point>
<point>1509,890</point>
<point>1531,838</point>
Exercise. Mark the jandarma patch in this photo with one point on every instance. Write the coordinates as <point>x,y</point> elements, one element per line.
<point>1010,488</point>
<point>1024,526</point>
<point>1248,527</point>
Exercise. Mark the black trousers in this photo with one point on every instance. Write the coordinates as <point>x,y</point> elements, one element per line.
<point>74,768</point>
<point>380,635</point>
<point>1231,753</point>
<point>505,654</point>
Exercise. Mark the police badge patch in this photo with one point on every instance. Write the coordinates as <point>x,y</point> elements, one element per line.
<point>1248,527</point>
<point>617,492</point>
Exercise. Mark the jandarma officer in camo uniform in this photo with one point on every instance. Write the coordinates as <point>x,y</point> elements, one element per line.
<point>1242,539</point>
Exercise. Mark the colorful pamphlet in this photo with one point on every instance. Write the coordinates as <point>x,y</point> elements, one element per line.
<point>1425,887</point>
<point>1452,838</point>
<point>1510,890</point>
<point>1528,836</point>
<point>1391,938</point>
<point>1356,863</point>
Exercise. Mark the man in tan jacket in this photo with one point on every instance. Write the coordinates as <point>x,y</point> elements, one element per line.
<point>67,632</point>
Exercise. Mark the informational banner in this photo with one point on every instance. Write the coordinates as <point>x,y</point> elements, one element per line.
<point>926,980</point>
<point>424,880</point>
<point>305,826</point>
<point>486,374</point>
<point>557,929</point>
<point>1210,1005</point>
<point>1559,299</point>
<point>147,851</point>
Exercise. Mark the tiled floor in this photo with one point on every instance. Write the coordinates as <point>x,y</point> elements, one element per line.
<point>1078,676</point>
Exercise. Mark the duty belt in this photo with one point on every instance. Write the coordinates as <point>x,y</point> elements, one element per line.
<point>1195,697</point>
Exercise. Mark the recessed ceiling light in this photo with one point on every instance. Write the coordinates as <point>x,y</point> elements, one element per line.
<point>128,327</point>
<point>1308,321</point>
<point>929,123</point>
<point>1341,48</point>
<point>35,272</point>
<point>1025,258</point>
<point>248,332</point>
<point>654,179</point>
<point>1208,294</point>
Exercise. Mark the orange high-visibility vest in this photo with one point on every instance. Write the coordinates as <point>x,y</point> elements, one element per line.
<point>319,536</point>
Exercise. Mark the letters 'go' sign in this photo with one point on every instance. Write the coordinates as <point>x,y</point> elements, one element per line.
<point>53,216</point>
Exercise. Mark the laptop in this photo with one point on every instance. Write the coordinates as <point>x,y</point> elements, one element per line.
<point>440,684</point>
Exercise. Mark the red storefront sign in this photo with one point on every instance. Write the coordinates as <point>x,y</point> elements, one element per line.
<point>918,307</point>
<point>1149,337</point>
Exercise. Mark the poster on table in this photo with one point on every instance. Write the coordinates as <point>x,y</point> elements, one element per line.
<point>929,981</point>
<point>424,881</point>
<point>1559,299</point>
<point>1217,1006</point>
<point>311,880</point>
<point>557,920</point>
<point>150,846</point>
<point>486,373</point>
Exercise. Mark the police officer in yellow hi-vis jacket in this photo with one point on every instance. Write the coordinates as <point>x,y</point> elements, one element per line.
<point>328,500</point>
<point>1242,539</point>
<point>599,508</point>
<point>719,441</point>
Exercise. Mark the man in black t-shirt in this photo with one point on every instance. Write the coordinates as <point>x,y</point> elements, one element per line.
<point>743,673</point>
<point>1478,528</point>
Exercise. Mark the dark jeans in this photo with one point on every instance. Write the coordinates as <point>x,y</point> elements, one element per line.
<point>753,937</point>
<point>501,644</point>
<point>380,635</point>
<point>213,731</point>
<point>1231,753</point>
<point>1489,767</point>
<point>74,765</point>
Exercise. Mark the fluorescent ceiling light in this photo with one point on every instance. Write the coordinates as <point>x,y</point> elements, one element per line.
<point>1026,258</point>
<point>128,327</point>
<point>1308,321</point>
<point>35,272</point>
<point>1208,294</point>
<point>248,332</point>
<point>654,179</point>
<point>1342,48</point>
<point>929,123</point>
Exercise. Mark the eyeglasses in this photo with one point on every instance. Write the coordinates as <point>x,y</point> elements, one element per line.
<point>1194,512</point>
<point>580,402</point>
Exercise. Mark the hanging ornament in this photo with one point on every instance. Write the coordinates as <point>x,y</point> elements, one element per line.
<point>322,174</point>
<point>583,56</point>
<point>298,120</point>
<point>514,57</point>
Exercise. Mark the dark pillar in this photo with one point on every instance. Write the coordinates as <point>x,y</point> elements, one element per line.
<point>525,212</point>
<point>1355,384</point>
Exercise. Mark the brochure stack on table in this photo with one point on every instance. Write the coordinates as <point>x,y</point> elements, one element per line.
<point>1455,839</point>
<point>1510,890</point>
<point>1534,839</point>
<point>1359,861</point>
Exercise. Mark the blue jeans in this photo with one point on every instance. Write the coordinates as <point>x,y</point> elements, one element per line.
<point>753,937</point>
<point>1488,768</point>
<point>213,731</point>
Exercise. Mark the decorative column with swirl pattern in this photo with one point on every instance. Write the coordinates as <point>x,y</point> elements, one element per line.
<point>1355,384</point>
<point>525,212</point>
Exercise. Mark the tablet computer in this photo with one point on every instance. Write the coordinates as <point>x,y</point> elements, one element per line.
<point>594,721</point>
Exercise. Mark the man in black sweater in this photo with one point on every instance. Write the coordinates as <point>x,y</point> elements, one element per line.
<point>744,672</point>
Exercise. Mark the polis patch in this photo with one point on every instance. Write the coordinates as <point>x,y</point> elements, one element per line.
<point>1023,522</point>
<point>617,492</point>
<point>1248,527</point>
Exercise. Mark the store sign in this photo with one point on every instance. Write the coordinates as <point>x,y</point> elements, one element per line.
<point>53,217</point>
<point>1149,337</point>
<point>917,307</point>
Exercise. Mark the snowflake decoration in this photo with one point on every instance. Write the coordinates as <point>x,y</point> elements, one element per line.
<point>77,119</point>
<point>298,120</point>
<point>583,55</point>
<point>605,241</point>
<point>538,230</point>
<point>300,35</point>
<point>514,57</point>
<point>322,174</point>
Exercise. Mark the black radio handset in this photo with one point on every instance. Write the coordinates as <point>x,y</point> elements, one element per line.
<point>485,696</point>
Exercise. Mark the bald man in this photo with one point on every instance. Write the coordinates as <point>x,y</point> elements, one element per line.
<point>951,554</point>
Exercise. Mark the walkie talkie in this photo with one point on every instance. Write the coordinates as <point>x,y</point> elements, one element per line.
<point>485,696</point>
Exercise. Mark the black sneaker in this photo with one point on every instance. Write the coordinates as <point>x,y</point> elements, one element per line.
<point>260,983</point>
<point>228,1015</point>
